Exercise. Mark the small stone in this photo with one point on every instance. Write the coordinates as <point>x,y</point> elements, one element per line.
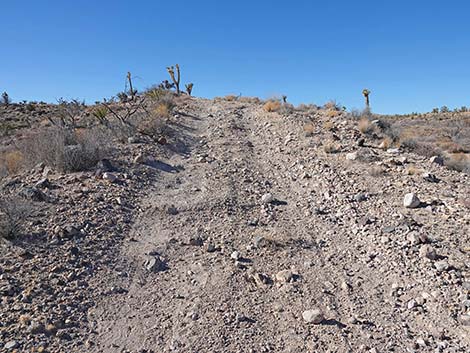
<point>43,183</point>
<point>441,266</point>
<point>110,177</point>
<point>235,256</point>
<point>11,345</point>
<point>210,247</point>
<point>155,264</point>
<point>413,238</point>
<point>314,316</point>
<point>437,160</point>
<point>139,159</point>
<point>284,276</point>
<point>133,139</point>
<point>360,142</point>
<point>430,177</point>
<point>411,200</point>
<point>427,252</point>
<point>267,198</point>
<point>172,210</point>
<point>196,241</point>
<point>411,304</point>
<point>421,342</point>
<point>162,140</point>
<point>465,319</point>
<point>351,156</point>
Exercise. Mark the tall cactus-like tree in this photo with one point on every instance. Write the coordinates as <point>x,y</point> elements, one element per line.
<point>175,79</point>
<point>131,88</point>
<point>189,88</point>
<point>365,93</point>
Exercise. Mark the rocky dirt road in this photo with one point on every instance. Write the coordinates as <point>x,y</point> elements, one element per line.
<point>256,240</point>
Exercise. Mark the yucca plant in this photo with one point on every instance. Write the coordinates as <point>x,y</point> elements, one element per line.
<point>175,79</point>
<point>101,114</point>
<point>189,88</point>
<point>365,93</point>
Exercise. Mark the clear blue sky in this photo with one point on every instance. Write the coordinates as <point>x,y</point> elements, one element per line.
<point>412,55</point>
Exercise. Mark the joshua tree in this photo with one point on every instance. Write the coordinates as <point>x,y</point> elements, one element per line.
<point>131,89</point>
<point>284,98</point>
<point>5,98</point>
<point>365,93</point>
<point>176,80</point>
<point>189,88</point>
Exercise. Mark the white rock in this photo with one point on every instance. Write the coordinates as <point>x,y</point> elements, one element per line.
<point>314,316</point>
<point>351,156</point>
<point>284,276</point>
<point>437,160</point>
<point>235,255</point>
<point>109,177</point>
<point>411,200</point>
<point>267,198</point>
<point>427,252</point>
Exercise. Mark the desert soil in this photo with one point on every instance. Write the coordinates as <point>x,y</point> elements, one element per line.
<point>253,225</point>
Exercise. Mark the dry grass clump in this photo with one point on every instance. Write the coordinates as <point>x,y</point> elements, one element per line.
<point>333,113</point>
<point>413,170</point>
<point>458,161</point>
<point>13,214</point>
<point>252,100</point>
<point>386,143</point>
<point>365,126</point>
<point>331,147</point>
<point>376,170</point>
<point>272,106</point>
<point>63,149</point>
<point>231,97</point>
<point>11,161</point>
<point>328,125</point>
<point>309,129</point>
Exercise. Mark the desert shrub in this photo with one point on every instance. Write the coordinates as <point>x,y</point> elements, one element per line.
<point>332,105</point>
<point>5,99</point>
<point>376,171</point>
<point>254,100</point>
<point>231,97</point>
<point>328,125</point>
<point>458,161</point>
<point>286,109</point>
<point>365,126</point>
<point>11,161</point>
<point>331,147</point>
<point>386,143</point>
<point>272,106</point>
<point>13,214</point>
<point>413,170</point>
<point>68,113</point>
<point>309,129</point>
<point>445,109</point>
<point>64,149</point>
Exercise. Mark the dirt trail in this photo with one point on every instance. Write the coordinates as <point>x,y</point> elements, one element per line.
<point>207,301</point>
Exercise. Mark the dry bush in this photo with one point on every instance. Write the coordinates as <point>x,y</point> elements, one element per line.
<point>231,97</point>
<point>12,161</point>
<point>376,171</point>
<point>253,100</point>
<point>332,105</point>
<point>413,170</point>
<point>272,106</point>
<point>162,111</point>
<point>309,129</point>
<point>386,143</point>
<point>458,161</point>
<point>286,109</point>
<point>365,126</point>
<point>64,149</point>
<point>331,147</point>
<point>333,113</point>
<point>307,108</point>
<point>328,125</point>
<point>13,214</point>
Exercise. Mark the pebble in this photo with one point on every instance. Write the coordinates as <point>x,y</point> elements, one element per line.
<point>11,345</point>
<point>235,256</point>
<point>427,252</point>
<point>284,276</point>
<point>314,316</point>
<point>109,177</point>
<point>411,200</point>
<point>267,198</point>
<point>441,266</point>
